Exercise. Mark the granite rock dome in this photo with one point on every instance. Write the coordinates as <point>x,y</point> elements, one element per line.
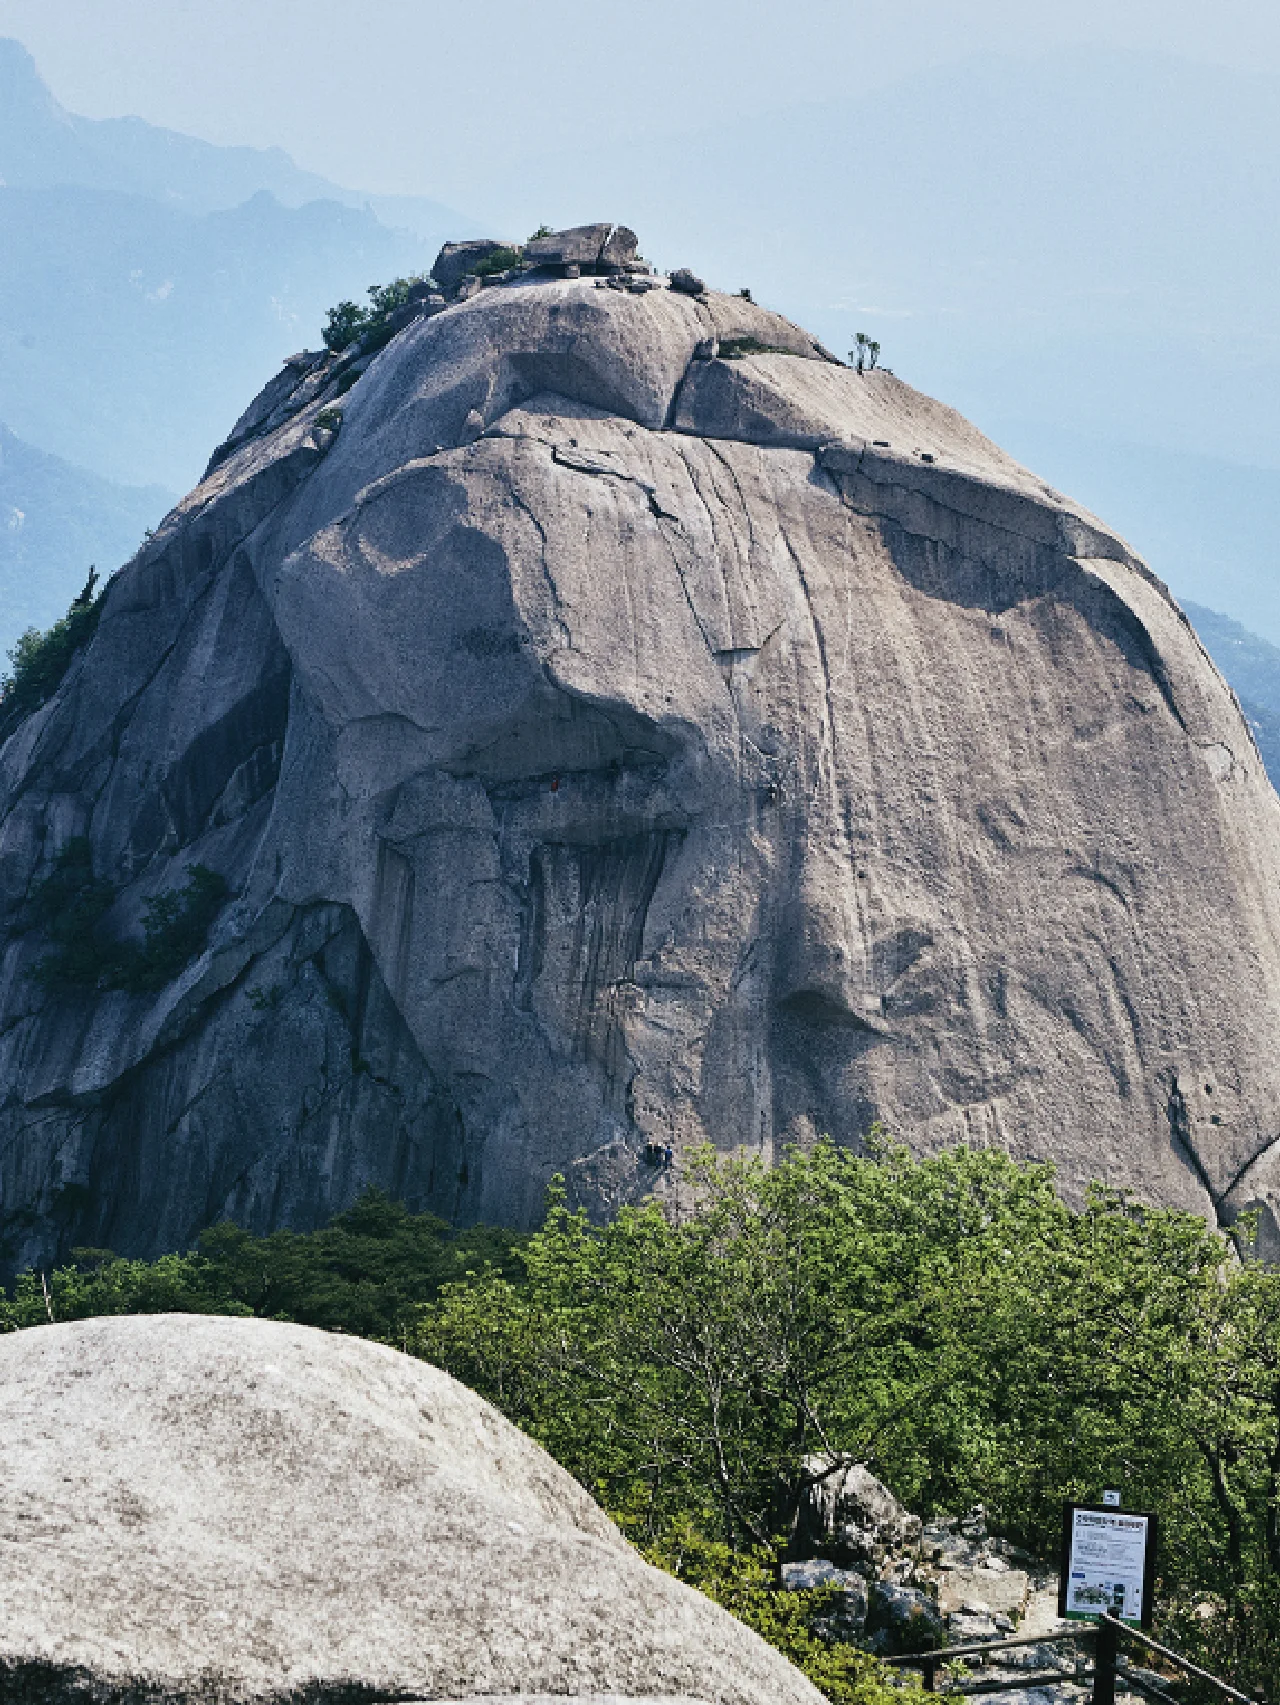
<point>617,721</point>
<point>202,1509</point>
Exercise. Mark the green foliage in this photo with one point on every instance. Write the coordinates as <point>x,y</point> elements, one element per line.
<point>1133,1349</point>
<point>100,1282</point>
<point>734,348</point>
<point>369,1272</point>
<point>803,1309</point>
<point>349,323</point>
<point>384,299</point>
<point>344,325</point>
<point>330,419</point>
<point>542,231</point>
<point>69,907</point>
<point>175,929</point>
<point>746,1585</point>
<point>866,356</point>
<point>948,1321</point>
<point>41,660</point>
<point>501,260</point>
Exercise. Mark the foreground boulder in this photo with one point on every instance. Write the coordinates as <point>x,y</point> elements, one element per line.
<point>616,723</point>
<point>201,1509</point>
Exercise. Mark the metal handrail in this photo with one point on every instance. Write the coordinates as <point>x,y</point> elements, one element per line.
<point>1045,1678</point>
<point>931,1662</point>
<point>1147,1689</point>
<point>1104,1674</point>
<point>1185,1664</point>
<point>1086,1631</point>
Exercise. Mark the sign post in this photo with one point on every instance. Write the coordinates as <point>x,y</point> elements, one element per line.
<point>1108,1563</point>
<point>1105,1655</point>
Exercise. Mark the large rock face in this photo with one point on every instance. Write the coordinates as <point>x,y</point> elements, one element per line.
<point>235,1511</point>
<point>630,724</point>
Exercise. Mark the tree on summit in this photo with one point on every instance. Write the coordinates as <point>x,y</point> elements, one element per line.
<point>866,355</point>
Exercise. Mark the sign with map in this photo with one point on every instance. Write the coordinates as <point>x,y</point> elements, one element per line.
<point>1108,1563</point>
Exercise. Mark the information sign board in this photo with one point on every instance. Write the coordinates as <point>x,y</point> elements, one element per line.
<point>1108,1563</point>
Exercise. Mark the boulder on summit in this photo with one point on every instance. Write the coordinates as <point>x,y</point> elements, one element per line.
<point>610,247</point>
<point>457,260</point>
<point>619,723</point>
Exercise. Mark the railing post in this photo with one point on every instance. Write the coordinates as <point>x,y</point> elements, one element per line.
<point>1106,1651</point>
<point>930,1668</point>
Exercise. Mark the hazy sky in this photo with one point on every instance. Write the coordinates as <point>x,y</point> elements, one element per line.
<point>430,98</point>
<point>1099,244</point>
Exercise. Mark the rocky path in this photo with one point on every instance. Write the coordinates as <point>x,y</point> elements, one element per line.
<point>905,1585</point>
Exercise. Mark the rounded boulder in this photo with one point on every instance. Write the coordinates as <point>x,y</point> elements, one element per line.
<point>203,1509</point>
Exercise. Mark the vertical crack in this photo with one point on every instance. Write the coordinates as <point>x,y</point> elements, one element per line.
<point>1180,1129</point>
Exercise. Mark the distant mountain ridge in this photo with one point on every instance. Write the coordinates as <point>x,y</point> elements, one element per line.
<point>130,329</point>
<point>55,521</point>
<point>149,281</point>
<point>42,145</point>
<point>1251,667</point>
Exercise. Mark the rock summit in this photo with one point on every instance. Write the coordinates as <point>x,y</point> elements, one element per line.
<point>615,724</point>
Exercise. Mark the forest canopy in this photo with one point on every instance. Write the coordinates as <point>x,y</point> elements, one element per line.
<point>951,1322</point>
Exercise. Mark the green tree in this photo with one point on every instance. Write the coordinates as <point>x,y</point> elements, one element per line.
<point>40,661</point>
<point>175,928</point>
<point>804,1311</point>
<point>866,355</point>
<point>343,325</point>
<point>348,323</point>
<point>951,1322</point>
<point>368,1272</point>
<point>1138,1351</point>
<point>70,905</point>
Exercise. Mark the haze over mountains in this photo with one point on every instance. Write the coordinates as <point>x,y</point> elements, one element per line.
<point>55,520</point>
<point>131,332</point>
<point>148,283</point>
<point>1252,667</point>
<point>44,146</point>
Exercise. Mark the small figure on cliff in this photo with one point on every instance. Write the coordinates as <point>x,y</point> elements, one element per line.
<point>83,599</point>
